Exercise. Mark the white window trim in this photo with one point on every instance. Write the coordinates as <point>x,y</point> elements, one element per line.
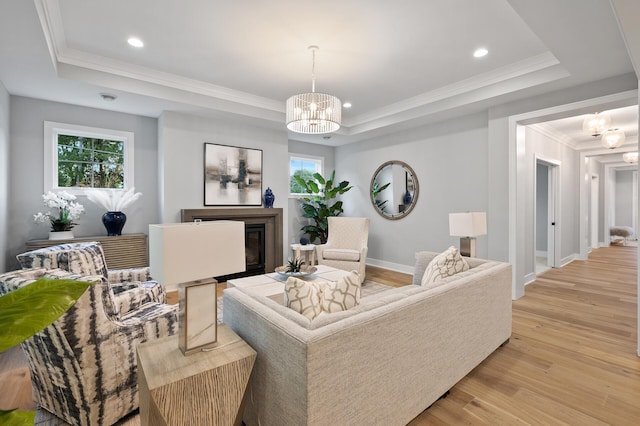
<point>305,157</point>
<point>51,132</point>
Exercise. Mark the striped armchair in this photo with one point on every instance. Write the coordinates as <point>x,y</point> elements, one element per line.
<point>131,287</point>
<point>346,246</point>
<point>83,366</point>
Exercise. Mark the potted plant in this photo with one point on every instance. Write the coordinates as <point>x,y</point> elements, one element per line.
<point>66,210</point>
<point>320,203</point>
<point>26,311</point>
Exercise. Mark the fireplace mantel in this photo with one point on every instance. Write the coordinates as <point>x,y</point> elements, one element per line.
<point>271,218</point>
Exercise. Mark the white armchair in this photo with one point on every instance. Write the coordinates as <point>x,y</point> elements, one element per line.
<point>346,246</point>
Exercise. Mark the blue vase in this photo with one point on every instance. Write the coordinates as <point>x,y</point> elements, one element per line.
<point>114,222</point>
<point>269,198</point>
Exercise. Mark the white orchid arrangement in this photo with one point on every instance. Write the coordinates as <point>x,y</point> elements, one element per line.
<point>66,211</point>
<point>114,201</point>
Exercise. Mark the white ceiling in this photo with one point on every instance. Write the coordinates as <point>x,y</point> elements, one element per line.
<point>399,63</point>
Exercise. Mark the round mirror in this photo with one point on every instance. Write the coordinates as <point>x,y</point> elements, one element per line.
<point>394,190</point>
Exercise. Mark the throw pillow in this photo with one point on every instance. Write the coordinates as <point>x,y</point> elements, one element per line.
<point>341,295</point>
<point>303,297</point>
<point>313,298</point>
<point>444,265</point>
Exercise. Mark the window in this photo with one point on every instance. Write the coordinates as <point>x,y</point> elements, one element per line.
<point>305,167</point>
<point>78,158</point>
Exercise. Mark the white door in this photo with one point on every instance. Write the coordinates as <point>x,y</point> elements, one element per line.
<point>593,216</point>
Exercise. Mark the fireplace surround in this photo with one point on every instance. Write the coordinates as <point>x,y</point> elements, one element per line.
<point>270,218</point>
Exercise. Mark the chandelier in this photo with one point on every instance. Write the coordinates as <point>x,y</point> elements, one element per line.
<point>313,112</point>
<point>613,138</point>
<point>596,123</point>
<point>630,157</point>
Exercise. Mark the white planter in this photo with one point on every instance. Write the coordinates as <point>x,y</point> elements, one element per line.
<point>61,235</point>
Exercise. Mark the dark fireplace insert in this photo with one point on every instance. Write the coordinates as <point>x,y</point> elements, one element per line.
<point>254,252</point>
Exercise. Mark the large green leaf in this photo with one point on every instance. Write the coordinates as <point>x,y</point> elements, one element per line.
<point>17,418</point>
<point>29,309</point>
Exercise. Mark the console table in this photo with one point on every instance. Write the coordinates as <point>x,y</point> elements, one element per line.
<point>205,388</point>
<point>121,252</point>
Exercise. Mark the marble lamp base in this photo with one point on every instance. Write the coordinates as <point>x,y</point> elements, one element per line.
<point>197,316</point>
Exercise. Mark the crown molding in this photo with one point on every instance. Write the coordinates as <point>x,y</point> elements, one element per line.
<point>550,132</point>
<point>79,65</point>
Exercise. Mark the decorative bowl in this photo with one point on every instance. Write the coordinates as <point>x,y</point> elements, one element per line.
<point>304,271</point>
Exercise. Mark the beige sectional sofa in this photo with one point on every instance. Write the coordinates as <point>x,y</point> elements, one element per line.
<point>383,362</point>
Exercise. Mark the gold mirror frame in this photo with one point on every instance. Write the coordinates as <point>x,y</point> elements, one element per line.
<point>411,186</point>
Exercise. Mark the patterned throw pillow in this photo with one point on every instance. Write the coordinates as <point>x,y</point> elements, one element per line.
<point>444,265</point>
<point>341,295</point>
<point>312,298</point>
<point>303,297</point>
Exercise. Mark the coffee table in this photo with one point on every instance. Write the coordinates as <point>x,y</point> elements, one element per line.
<point>273,283</point>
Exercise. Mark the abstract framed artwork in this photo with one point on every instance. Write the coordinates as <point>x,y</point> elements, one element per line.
<point>232,176</point>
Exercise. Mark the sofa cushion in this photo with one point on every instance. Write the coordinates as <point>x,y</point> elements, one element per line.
<point>341,254</point>
<point>316,297</point>
<point>444,265</point>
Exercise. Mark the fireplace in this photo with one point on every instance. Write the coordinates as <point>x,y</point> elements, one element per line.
<point>254,253</point>
<point>263,232</point>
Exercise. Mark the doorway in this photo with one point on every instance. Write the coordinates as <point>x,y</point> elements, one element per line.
<point>546,214</point>
<point>593,212</point>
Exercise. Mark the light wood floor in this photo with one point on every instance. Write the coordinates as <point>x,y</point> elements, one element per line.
<point>571,359</point>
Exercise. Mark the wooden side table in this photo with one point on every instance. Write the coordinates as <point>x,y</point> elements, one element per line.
<point>307,249</point>
<point>206,388</point>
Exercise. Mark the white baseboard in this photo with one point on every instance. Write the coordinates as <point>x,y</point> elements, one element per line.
<point>541,253</point>
<point>391,266</point>
<point>601,244</point>
<point>529,278</point>
<point>567,260</point>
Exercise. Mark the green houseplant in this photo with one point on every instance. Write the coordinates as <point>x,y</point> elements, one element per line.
<point>26,311</point>
<point>320,203</point>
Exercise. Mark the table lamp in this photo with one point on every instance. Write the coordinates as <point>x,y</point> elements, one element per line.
<point>186,257</point>
<point>467,226</point>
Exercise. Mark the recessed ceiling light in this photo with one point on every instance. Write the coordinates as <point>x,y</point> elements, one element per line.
<point>135,42</point>
<point>347,104</point>
<point>479,53</point>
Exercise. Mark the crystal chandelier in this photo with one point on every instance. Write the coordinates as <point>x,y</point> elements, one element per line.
<point>596,123</point>
<point>630,157</point>
<point>613,138</point>
<point>313,112</point>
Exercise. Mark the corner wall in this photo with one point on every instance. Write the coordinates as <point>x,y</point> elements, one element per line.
<point>4,174</point>
<point>27,178</point>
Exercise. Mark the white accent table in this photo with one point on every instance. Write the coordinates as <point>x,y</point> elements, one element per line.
<point>307,249</point>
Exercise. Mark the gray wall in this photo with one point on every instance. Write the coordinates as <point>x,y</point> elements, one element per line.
<point>181,140</point>
<point>4,174</point>
<point>27,180</point>
<point>542,206</point>
<point>450,161</point>
<point>624,198</point>
<point>296,221</point>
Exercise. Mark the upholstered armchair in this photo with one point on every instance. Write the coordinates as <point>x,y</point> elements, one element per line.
<point>346,246</point>
<point>83,366</point>
<point>131,287</point>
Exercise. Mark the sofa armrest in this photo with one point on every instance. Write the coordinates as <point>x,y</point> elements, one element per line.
<point>422,261</point>
<point>123,275</point>
<point>132,295</point>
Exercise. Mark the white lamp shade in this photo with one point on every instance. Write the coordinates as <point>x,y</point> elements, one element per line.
<point>182,252</point>
<point>470,224</point>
